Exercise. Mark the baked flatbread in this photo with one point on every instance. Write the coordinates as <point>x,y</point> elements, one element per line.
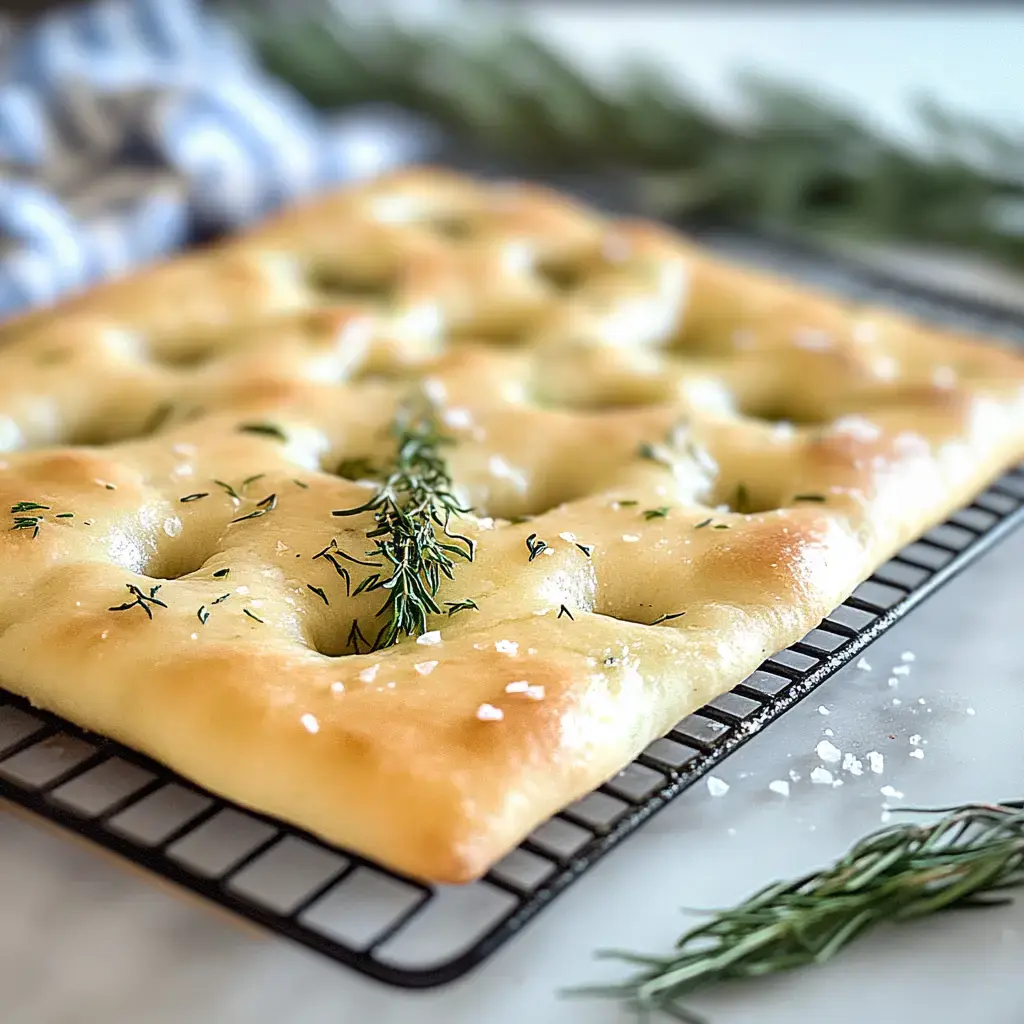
<point>677,468</point>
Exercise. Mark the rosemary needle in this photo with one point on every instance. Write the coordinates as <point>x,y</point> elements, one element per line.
<point>412,511</point>
<point>967,858</point>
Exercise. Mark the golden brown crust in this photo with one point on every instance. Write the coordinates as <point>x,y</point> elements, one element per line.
<point>589,371</point>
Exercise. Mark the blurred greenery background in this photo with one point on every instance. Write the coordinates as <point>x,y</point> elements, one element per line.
<point>793,161</point>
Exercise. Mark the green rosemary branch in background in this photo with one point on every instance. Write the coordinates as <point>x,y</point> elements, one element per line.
<point>965,859</point>
<point>412,512</point>
<point>794,161</point>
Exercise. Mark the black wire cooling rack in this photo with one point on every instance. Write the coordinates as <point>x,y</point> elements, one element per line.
<point>417,936</point>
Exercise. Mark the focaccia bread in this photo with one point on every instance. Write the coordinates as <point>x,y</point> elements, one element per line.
<point>677,467</point>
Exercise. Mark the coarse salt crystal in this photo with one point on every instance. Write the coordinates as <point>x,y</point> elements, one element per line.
<point>892,792</point>
<point>875,761</point>
<point>425,667</point>
<point>630,538</point>
<point>863,665</point>
<point>534,692</point>
<point>489,713</point>
<point>716,787</point>
<point>919,753</point>
<point>337,687</point>
<point>907,656</point>
<point>369,674</point>
<point>915,740</point>
<point>779,786</point>
<point>509,647</point>
<point>310,723</point>
<point>853,765</point>
<point>971,711</point>
<point>795,776</point>
<point>280,546</point>
<point>828,752</point>
<point>901,670</point>
<point>829,732</point>
<point>893,681</point>
<point>821,777</point>
<point>822,710</point>
<point>428,639</point>
<point>568,537</point>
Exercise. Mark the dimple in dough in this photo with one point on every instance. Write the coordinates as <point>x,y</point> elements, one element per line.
<point>713,459</point>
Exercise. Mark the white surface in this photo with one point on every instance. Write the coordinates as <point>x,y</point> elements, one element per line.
<point>83,942</point>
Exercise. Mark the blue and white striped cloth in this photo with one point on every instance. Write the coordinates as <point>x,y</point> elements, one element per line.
<point>128,125</point>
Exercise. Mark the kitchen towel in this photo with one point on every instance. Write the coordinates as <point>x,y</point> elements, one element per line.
<point>128,127</point>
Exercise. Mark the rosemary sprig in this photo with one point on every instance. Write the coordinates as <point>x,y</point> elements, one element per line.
<point>144,601</point>
<point>467,604</point>
<point>535,546</point>
<point>967,858</point>
<point>412,511</point>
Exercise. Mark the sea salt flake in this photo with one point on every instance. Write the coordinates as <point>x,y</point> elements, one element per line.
<point>337,687</point>
<point>821,777</point>
<point>310,723</point>
<point>852,764</point>
<point>822,710</point>
<point>891,792</point>
<point>570,538</point>
<point>919,753</point>
<point>509,647</point>
<point>915,740</point>
<point>630,538</point>
<point>489,713</point>
<point>429,639</point>
<point>828,752</point>
<point>779,786</point>
<point>534,692</point>
<point>893,681</point>
<point>901,670</point>
<point>794,776</point>
<point>369,674</point>
<point>908,656</point>
<point>829,732</point>
<point>863,665</point>
<point>716,787</point>
<point>876,762</point>
<point>425,667</point>
<point>971,711</point>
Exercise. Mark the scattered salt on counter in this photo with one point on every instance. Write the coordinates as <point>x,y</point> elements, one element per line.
<point>892,792</point>
<point>779,786</point>
<point>716,787</point>
<point>876,762</point>
<point>509,647</point>
<point>853,765</point>
<point>901,670</point>
<point>795,776</point>
<point>822,710</point>
<point>821,777</point>
<point>918,753</point>
<point>915,740</point>
<point>907,656</point>
<point>863,665</point>
<point>829,732</point>
<point>828,752</point>
<point>489,713</point>
<point>893,681</point>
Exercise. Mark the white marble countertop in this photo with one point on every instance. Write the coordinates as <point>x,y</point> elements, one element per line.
<point>83,941</point>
